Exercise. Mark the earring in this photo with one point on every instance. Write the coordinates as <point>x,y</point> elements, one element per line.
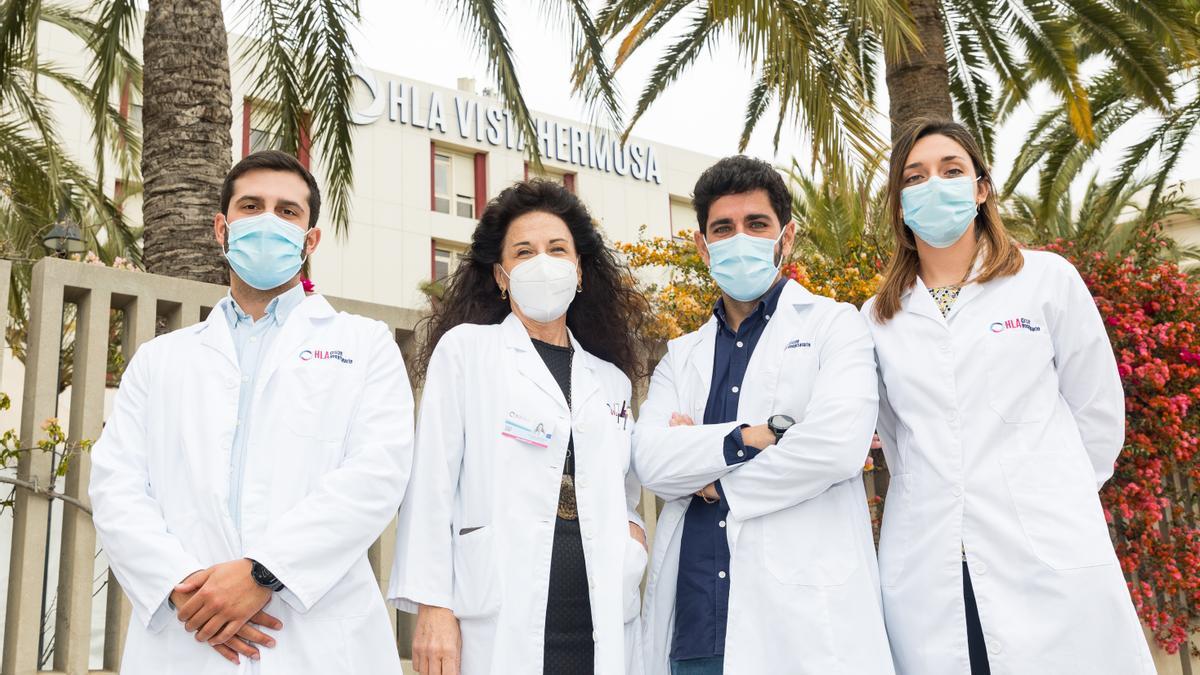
<point>579,288</point>
<point>503,293</point>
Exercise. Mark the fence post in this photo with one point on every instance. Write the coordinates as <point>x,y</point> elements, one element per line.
<point>76,572</point>
<point>26,571</point>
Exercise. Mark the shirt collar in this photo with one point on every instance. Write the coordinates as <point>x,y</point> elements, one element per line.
<point>280,307</point>
<point>766,305</point>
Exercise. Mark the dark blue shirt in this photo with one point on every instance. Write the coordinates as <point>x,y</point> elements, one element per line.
<point>702,590</point>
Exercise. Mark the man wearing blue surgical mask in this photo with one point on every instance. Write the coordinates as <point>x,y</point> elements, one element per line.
<point>768,563</point>
<point>252,459</point>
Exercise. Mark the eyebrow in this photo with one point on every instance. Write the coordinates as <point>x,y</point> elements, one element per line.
<point>947,158</point>
<point>282,202</point>
<point>526,243</point>
<point>729,221</point>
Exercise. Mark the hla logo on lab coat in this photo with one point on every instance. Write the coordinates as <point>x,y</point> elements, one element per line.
<point>1011,324</point>
<point>489,122</point>
<point>323,355</point>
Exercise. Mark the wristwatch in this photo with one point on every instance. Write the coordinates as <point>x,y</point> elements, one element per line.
<point>779,424</point>
<point>263,577</point>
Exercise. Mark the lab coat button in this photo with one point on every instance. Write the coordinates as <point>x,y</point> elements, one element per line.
<point>979,567</point>
<point>993,646</point>
<point>945,347</point>
<point>958,492</point>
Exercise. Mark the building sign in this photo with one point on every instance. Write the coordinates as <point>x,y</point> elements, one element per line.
<point>488,122</point>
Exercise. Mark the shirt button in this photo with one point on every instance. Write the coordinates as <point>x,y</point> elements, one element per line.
<point>721,574</point>
<point>721,524</point>
<point>768,317</point>
<point>739,344</point>
<point>735,390</point>
<point>245,378</point>
<point>741,453</point>
<point>254,338</point>
<point>945,347</point>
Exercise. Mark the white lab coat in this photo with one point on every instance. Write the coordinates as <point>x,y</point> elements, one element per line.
<point>997,436</point>
<point>804,589</point>
<point>328,458</point>
<point>468,475</point>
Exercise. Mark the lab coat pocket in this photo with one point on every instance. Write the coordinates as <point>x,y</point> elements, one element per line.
<point>895,536</point>
<point>1020,373</point>
<point>635,566</point>
<point>476,579</point>
<point>1056,501</point>
<point>810,544</point>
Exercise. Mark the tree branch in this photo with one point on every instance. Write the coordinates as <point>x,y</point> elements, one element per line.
<point>45,492</point>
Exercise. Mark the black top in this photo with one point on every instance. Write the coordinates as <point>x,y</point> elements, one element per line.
<point>569,648</point>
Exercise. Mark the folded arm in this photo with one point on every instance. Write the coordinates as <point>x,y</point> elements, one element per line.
<point>830,444</point>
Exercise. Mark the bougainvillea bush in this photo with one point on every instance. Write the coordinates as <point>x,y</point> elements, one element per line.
<point>1152,309</point>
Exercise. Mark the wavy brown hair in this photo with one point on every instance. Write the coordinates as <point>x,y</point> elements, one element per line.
<point>608,317</point>
<point>1002,254</point>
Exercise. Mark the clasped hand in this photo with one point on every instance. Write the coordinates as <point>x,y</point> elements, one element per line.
<point>223,606</point>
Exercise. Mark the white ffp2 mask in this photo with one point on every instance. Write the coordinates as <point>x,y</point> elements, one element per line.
<point>543,287</point>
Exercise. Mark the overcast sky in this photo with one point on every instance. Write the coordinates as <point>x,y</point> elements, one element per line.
<point>421,39</point>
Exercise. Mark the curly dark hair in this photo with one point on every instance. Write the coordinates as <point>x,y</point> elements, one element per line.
<point>737,175</point>
<point>608,317</point>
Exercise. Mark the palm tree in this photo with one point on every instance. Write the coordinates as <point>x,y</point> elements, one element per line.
<point>1106,219</point>
<point>186,120</point>
<point>939,56</point>
<point>302,59</point>
<point>1059,157</point>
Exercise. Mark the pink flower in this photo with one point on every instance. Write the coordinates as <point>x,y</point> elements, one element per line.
<point>307,284</point>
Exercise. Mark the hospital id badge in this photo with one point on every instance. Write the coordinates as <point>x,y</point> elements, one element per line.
<point>524,431</point>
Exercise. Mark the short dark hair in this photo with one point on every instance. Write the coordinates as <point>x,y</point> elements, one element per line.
<point>273,160</point>
<point>737,175</point>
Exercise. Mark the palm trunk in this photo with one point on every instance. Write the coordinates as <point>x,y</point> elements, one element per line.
<point>919,83</point>
<point>187,147</point>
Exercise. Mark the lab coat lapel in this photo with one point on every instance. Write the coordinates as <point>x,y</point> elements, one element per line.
<point>529,362</point>
<point>918,301</point>
<point>762,372</point>
<point>701,358</point>
<point>584,381</point>
<point>296,330</point>
<point>215,335</point>
<point>970,290</point>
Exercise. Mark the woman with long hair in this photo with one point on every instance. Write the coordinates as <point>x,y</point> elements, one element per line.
<point>1001,414</point>
<point>519,546</point>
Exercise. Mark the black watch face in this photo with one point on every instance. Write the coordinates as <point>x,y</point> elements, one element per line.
<point>780,422</point>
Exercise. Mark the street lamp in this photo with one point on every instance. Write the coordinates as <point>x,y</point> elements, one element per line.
<point>65,238</point>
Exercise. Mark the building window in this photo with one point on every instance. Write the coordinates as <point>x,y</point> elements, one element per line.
<point>256,135</point>
<point>456,182</point>
<point>446,258</point>
<point>683,216</point>
<point>563,178</point>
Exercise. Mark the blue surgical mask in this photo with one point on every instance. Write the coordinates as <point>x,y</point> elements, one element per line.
<point>940,210</point>
<point>265,250</point>
<point>743,266</point>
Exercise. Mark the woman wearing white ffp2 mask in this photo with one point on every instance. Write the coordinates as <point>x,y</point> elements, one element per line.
<point>521,516</point>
